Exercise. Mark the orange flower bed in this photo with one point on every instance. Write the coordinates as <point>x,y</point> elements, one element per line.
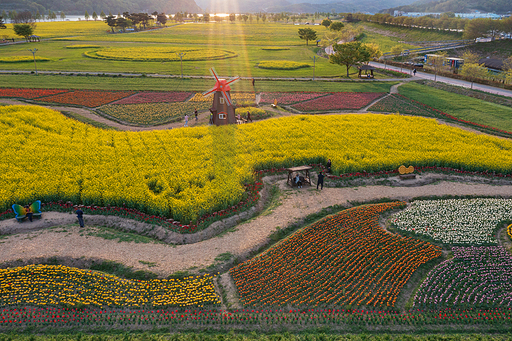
<point>87,98</point>
<point>28,93</point>
<point>346,259</point>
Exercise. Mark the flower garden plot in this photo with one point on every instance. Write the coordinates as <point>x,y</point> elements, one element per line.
<point>339,101</point>
<point>347,259</point>
<point>476,277</point>
<point>155,97</point>
<point>160,53</point>
<point>57,285</point>
<point>29,93</point>
<point>455,221</point>
<point>235,96</point>
<point>402,105</point>
<point>249,319</point>
<point>87,98</point>
<point>289,97</point>
<point>188,173</point>
<point>153,113</point>
<point>22,59</point>
<point>281,65</point>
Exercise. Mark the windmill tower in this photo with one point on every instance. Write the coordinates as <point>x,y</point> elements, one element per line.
<point>223,110</point>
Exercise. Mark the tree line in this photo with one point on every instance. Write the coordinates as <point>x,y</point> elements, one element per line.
<point>472,28</point>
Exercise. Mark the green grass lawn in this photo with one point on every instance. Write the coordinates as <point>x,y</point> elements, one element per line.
<point>413,34</point>
<point>248,41</point>
<point>186,84</point>
<point>463,107</point>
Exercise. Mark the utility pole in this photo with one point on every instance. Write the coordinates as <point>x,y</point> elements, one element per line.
<point>34,54</point>
<point>181,55</point>
<point>314,64</point>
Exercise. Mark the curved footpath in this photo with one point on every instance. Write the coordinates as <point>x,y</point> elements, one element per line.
<point>73,242</point>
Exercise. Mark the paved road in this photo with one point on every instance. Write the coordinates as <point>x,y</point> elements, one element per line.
<point>447,80</point>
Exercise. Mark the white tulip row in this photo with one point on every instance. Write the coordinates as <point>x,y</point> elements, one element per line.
<point>455,221</point>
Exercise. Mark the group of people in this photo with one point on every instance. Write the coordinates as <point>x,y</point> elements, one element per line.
<point>187,117</point>
<point>320,183</point>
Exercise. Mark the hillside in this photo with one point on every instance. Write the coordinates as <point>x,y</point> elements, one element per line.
<point>298,6</point>
<point>79,7</point>
<point>461,6</point>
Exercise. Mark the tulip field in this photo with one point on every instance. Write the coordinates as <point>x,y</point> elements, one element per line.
<point>50,285</point>
<point>456,221</point>
<point>476,277</point>
<point>344,260</point>
<point>338,101</point>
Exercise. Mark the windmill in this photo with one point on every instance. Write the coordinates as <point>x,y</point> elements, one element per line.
<point>223,110</point>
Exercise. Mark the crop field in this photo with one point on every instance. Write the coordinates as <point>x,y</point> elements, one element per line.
<point>345,260</point>
<point>244,253</point>
<point>246,47</point>
<point>195,184</point>
<point>49,285</point>
<point>463,107</point>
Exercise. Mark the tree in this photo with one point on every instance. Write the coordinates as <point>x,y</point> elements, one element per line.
<point>397,50</point>
<point>23,30</point>
<point>94,16</point>
<point>245,18</point>
<point>62,15</point>
<point>86,16</point>
<point>470,57</point>
<point>2,25</point>
<point>232,17</point>
<point>336,26</point>
<point>111,21</point>
<point>161,18</point>
<point>473,71</point>
<point>437,62</point>
<point>326,23</point>
<point>307,34</point>
<point>24,17</point>
<point>38,15</point>
<point>374,50</point>
<point>348,54</point>
<point>102,15</point>
<point>123,23</point>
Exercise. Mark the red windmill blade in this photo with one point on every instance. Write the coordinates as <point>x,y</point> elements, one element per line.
<point>221,85</point>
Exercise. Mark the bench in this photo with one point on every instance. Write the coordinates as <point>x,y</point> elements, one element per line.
<point>407,176</point>
<point>21,213</point>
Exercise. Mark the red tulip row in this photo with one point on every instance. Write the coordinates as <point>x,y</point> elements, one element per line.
<point>28,93</point>
<point>347,259</point>
<point>339,101</point>
<point>49,317</point>
<point>86,98</point>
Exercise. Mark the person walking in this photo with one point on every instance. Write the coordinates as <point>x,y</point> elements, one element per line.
<point>195,113</point>
<point>253,81</point>
<point>414,72</point>
<point>80,216</point>
<point>320,180</point>
<point>328,165</point>
<point>186,120</point>
<point>249,116</point>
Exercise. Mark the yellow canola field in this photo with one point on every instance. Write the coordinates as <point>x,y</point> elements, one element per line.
<point>187,172</point>
<point>160,54</point>
<point>57,284</point>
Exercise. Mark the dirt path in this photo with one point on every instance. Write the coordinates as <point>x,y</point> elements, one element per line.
<point>295,204</point>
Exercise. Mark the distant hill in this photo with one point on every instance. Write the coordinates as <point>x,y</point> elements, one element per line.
<point>298,6</point>
<point>78,7</point>
<point>461,6</point>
